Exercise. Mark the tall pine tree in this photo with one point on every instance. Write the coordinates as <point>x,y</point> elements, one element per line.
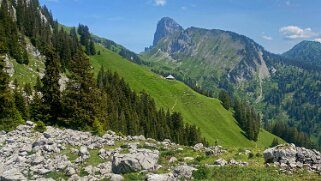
<point>51,88</point>
<point>82,101</point>
<point>9,115</point>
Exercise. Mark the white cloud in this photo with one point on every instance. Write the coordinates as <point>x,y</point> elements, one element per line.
<point>160,2</point>
<point>318,40</point>
<point>295,32</point>
<point>266,37</point>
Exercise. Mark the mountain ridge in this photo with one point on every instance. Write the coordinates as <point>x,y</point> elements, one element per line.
<point>212,60</point>
<point>307,52</point>
<point>221,54</point>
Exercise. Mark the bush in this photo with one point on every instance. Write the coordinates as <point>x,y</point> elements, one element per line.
<point>98,128</point>
<point>251,155</point>
<point>258,155</point>
<point>200,158</point>
<point>241,150</point>
<point>40,127</point>
<point>202,173</point>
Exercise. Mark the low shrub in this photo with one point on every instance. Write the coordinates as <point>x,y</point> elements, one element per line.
<point>202,173</point>
<point>40,127</point>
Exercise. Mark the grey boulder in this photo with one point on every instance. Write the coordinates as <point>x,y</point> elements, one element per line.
<point>184,171</point>
<point>160,177</point>
<point>12,175</point>
<point>141,159</point>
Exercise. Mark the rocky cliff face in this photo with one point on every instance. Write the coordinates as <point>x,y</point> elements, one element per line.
<point>207,55</point>
<point>166,27</point>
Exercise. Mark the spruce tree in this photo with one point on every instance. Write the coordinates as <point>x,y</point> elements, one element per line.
<point>21,104</point>
<point>82,101</point>
<point>226,99</point>
<point>36,108</point>
<point>38,85</point>
<point>51,88</point>
<point>9,115</point>
<point>27,88</point>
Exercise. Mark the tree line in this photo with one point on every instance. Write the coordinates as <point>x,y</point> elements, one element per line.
<point>87,103</point>
<point>248,119</point>
<point>132,113</point>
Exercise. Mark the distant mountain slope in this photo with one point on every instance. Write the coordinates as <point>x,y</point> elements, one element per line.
<point>208,56</point>
<point>284,87</point>
<point>306,52</point>
<point>208,114</point>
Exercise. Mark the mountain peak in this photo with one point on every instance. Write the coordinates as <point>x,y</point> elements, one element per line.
<point>307,52</point>
<point>166,27</point>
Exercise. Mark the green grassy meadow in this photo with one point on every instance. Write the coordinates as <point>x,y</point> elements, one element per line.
<point>216,123</point>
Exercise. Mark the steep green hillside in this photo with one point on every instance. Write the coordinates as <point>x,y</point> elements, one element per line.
<point>215,122</point>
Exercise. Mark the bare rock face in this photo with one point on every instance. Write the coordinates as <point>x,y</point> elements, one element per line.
<point>9,67</point>
<point>290,157</point>
<point>166,27</point>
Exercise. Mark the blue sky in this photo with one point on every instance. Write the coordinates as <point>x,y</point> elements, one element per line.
<point>276,24</point>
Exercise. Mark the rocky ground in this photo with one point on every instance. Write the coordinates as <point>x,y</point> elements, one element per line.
<point>290,158</point>
<point>63,154</point>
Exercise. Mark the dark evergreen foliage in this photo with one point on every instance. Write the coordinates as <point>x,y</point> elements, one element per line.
<point>10,40</point>
<point>82,100</point>
<point>38,85</point>
<point>86,40</point>
<point>275,142</point>
<point>294,98</point>
<point>51,89</point>
<point>84,105</point>
<point>9,115</point>
<point>21,104</point>
<point>135,114</point>
<point>28,89</point>
<point>248,119</point>
<point>226,99</point>
<point>291,134</point>
<point>36,108</point>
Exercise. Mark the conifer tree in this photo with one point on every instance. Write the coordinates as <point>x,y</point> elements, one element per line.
<point>9,115</point>
<point>83,102</point>
<point>226,99</point>
<point>21,104</point>
<point>51,88</point>
<point>36,108</point>
<point>27,89</point>
<point>38,85</point>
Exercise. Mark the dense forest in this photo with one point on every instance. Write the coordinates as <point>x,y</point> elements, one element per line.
<point>87,103</point>
<point>293,96</point>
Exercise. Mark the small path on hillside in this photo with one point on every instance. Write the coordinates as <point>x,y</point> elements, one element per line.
<point>174,105</point>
